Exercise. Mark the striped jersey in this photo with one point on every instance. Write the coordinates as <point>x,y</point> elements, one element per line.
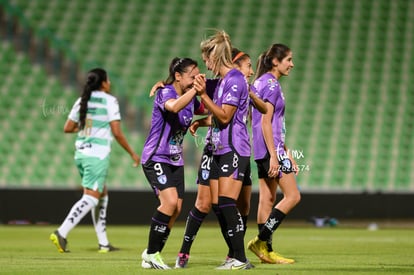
<point>96,137</point>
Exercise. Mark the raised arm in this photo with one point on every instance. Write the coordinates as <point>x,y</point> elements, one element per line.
<point>159,84</point>
<point>223,114</point>
<point>176,105</point>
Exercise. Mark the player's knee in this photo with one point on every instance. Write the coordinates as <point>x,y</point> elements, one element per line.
<point>203,205</point>
<point>295,198</point>
<point>267,201</point>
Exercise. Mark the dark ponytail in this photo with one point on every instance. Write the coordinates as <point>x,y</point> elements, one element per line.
<point>179,65</point>
<point>94,80</point>
<point>263,65</point>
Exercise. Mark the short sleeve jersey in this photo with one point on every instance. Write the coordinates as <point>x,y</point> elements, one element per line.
<point>269,90</point>
<point>232,90</point>
<point>165,140</point>
<point>96,137</point>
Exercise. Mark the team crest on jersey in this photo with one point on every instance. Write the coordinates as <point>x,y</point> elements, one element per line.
<point>205,174</point>
<point>272,84</point>
<point>187,120</point>
<point>287,164</point>
<point>162,179</point>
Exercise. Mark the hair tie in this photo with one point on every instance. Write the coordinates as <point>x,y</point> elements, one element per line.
<point>240,54</point>
<point>177,63</point>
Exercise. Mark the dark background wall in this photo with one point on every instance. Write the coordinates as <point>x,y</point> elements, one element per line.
<point>137,207</point>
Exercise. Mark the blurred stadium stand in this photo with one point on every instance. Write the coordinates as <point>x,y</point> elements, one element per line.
<point>350,97</point>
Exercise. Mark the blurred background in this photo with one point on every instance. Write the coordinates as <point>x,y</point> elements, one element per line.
<point>349,98</point>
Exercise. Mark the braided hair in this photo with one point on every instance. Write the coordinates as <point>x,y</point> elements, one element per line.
<point>94,80</point>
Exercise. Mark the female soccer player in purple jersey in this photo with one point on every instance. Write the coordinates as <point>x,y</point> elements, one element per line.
<point>203,203</point>
<point>162,155</point>
<point>229,138</point>
<point>274,165</point>
<point>204,200</point>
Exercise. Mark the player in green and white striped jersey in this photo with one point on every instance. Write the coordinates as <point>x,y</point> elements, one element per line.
<point>96,118</point>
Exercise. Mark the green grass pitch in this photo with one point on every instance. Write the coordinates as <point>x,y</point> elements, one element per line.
<point>337,250</point>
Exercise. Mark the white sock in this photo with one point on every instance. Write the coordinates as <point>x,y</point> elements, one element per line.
<point>99,220</point>
<point>78,211</point>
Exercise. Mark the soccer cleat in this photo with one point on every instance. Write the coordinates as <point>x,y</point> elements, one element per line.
<point>226,262</point>
<point>153,260</point>
<point>279,259</point>
<point>144,263</point>
<point>259,248</point>
<point>59,241</point>
<point>234,264</point>
<point>182,260</point>
<point>107,248</point>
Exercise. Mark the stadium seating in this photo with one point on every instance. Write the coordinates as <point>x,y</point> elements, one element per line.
<point>349,99</point>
